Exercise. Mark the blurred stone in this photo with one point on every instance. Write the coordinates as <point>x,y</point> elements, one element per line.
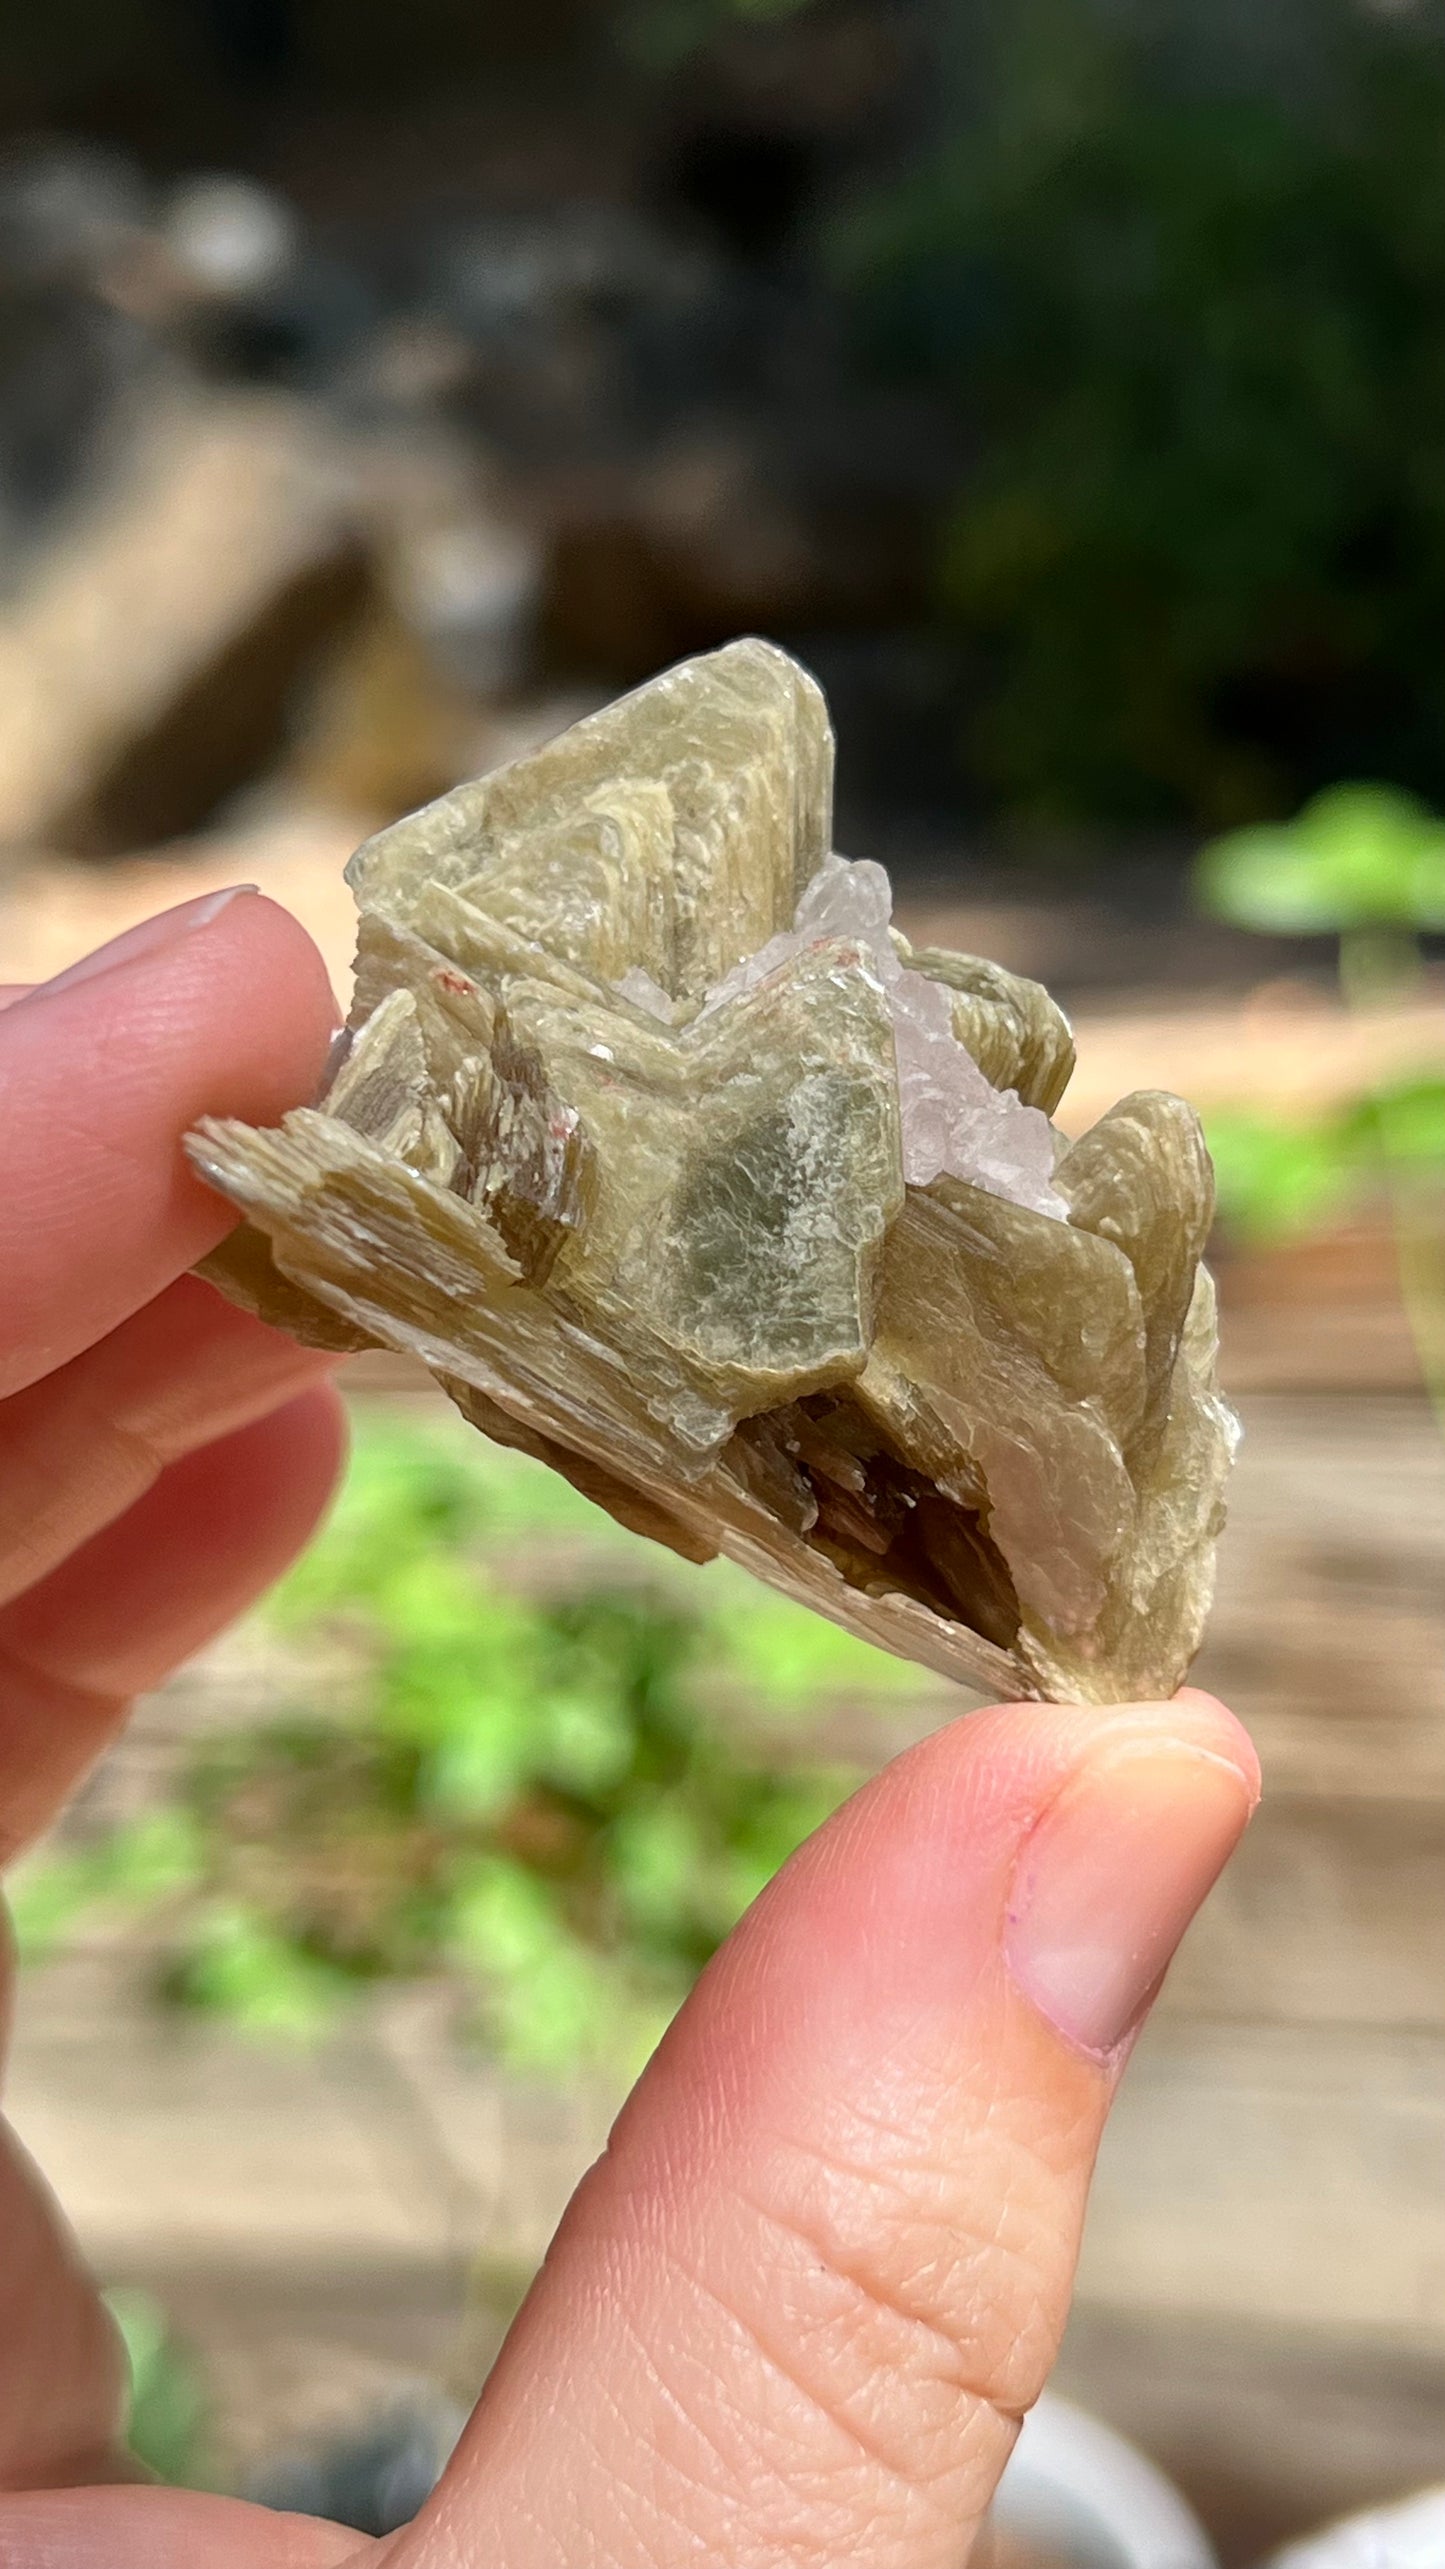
<point>66,209</point>
<point>687,435</point>
<point>73,368</point>
<point>382,728</point>
<point>74,375</point>
<point>229,238</point>
<point>410,363</point>
<point>55,909</point>
<point>424,686</point>
<point>453,558</point>
<point>656,1147</point>
<point>148,662</point>
<point>469,586</point>
<point>649,558</point>
<point>709,533</point>
<point>229,278</point>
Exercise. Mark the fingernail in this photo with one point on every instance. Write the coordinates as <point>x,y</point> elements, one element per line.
<point>1109,1879</point>
<point>146,937</point>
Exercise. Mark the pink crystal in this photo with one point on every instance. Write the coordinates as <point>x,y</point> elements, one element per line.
<point>955,1123</point>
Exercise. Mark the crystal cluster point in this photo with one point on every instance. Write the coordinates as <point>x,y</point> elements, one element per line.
<point>682,1172</point>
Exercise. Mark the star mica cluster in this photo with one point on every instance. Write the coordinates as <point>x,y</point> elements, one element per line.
<point>655,1141</point>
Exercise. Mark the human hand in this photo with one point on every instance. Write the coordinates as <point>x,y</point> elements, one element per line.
<point>795,2311</point>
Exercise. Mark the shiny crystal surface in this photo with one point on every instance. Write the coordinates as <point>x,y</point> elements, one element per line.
<point>681,1171</point>
<point>953,1122</point>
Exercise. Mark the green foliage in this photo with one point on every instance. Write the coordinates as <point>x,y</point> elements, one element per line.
<point>1405,1123</point>
<point>239,1961</point>
<point>1181,269</point>
<point>1365,863</point>
<point>538,1760</point>
<point>168,2423</point>
<point>149,1861</point>
<point>1358,856</point>
<point>1368,864</point>
<point>791,1661</point>
<point>1281,1177</point>
<point>660,35</point>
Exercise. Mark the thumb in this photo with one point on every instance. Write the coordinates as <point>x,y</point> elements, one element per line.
<point>797,2309</point>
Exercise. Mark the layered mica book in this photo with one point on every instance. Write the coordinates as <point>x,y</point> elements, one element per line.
<point>658,1144</point>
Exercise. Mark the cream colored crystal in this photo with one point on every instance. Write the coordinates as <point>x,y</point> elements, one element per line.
<point>682,1172</point>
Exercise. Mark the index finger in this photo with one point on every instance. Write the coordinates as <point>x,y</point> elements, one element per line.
<point>219,1007</point>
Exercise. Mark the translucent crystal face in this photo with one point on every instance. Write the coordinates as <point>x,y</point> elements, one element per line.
<point>680,1170</point>
<point>952,1122</point>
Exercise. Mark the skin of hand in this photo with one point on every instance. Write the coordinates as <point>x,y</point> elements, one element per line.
<point>795,2312</point>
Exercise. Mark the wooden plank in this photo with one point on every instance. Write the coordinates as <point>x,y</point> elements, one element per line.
<point>148,660</point>
<point>1333,1912</point>
<point>1295,2174</point>
<point>300,2352</point>
<point>1287,1047</point>
<point>1328,1635</point>
<point>174,2137</point>
<point>1316,1315</point>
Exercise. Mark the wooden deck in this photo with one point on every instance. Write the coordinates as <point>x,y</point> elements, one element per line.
<point>1263,2289</point>
<point>1262,2299</point>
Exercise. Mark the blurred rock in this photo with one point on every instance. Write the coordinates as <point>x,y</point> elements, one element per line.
<point>721,532</point>
<point>470,587</point>
<point>230,238</point>
<point>53,910</point>
<point>66,209</point>
<point>72,365</point>
<point>383,729</point>
<point>645,563</point>
<point>148,663</point>
<point>586,326</point>
<point>409,364</point>
<point>225,276</point>
<point>407,703</point>
<point>303,330</point>
<point>454,559</point>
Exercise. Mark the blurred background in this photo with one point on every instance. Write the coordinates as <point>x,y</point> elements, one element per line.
<point>382,388</point>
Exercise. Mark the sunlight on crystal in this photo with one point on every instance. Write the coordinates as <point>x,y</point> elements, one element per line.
<point>686,1175</point>
<point>955,1123</point>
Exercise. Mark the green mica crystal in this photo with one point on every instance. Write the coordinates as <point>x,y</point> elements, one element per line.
<point>627,1147</point>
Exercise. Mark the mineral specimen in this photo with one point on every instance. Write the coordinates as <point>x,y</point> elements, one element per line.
<point>659,1146</point>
